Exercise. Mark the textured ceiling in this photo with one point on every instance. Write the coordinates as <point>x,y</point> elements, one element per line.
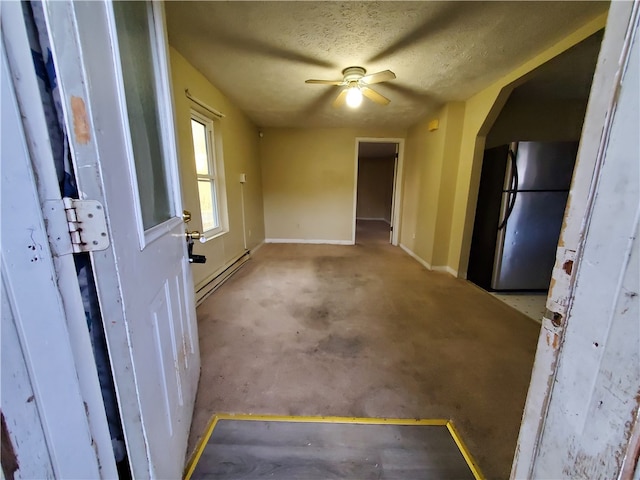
<point>260,53</point>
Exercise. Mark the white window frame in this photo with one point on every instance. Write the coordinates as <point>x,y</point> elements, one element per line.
<point>216,171</point>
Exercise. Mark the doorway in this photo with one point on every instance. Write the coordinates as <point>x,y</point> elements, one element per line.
<point>377,190</point>
<point>518,218</point>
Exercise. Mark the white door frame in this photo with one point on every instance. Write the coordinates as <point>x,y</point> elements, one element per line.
<point>58,252</point>
<point>397,186</point>
<point>393,194</point>
<point>601,110</point>
<point>43,301</point>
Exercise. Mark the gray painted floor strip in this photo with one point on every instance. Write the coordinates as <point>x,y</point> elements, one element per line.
<point>241,449</point>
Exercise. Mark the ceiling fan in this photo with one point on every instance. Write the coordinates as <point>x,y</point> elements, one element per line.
<point>357,82</point>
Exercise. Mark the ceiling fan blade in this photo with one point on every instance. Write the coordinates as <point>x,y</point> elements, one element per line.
<point>325,82</point>
<point>378,77</point>
<point>340,99</point>
<point>375,96</point>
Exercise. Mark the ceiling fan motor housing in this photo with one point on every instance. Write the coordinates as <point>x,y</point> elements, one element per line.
<point>353,74</point>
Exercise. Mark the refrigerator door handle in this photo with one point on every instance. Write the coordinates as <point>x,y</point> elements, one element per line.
<point>513,190</point>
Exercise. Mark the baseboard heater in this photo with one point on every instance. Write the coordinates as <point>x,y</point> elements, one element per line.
<point>212,285</point>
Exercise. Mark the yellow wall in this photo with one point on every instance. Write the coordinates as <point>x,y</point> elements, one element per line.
<point>454,122</point>
<point>240,150</point>
<point>308,181</point>
<point>422,167</point>
<point>430,168</point>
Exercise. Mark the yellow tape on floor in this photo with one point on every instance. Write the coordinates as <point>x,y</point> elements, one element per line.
<point>355,420</point>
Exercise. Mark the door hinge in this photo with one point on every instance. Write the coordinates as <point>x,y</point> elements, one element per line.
<point>87,225</point>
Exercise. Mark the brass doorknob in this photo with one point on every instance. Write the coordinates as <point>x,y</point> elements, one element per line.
<point>195,235</point>
<point>186,216</point>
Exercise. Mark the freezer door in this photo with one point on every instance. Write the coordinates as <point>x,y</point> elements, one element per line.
<point>545,165</point>
<point>487,218</point>
<point>526,248</point>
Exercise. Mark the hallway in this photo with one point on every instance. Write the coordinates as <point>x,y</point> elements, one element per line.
<point>365,331</point>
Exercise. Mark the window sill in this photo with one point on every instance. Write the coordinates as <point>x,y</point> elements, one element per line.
<point>206,236</point>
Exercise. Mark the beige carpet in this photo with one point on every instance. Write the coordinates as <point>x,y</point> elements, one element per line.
<point>365,331</point>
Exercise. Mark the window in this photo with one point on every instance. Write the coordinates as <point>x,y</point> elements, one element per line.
<point>209,172</point>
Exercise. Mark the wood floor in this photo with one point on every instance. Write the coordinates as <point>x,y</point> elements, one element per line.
<point>365,331</point>
<point>286,450</point>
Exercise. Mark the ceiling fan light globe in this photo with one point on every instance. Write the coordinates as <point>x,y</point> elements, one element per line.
<point>354,97</point>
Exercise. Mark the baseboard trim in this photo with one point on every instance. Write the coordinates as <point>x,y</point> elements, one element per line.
<point>207,287</point>
<point>256,248</point>
<point>420,260</point>
<point>427,265</point>
<point>446,269</point>
<point>315,242</point>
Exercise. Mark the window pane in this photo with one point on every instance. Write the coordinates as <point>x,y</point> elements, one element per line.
<point>137,52</point>
<point>208,205</point>
<point>199,132</point>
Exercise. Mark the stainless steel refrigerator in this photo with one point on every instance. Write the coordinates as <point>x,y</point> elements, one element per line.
<point>522,197</point>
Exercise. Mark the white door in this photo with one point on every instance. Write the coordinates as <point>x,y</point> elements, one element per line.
<point>112,67</point>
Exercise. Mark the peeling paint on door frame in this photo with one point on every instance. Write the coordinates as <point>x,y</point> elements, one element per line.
<point>622,24</point>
